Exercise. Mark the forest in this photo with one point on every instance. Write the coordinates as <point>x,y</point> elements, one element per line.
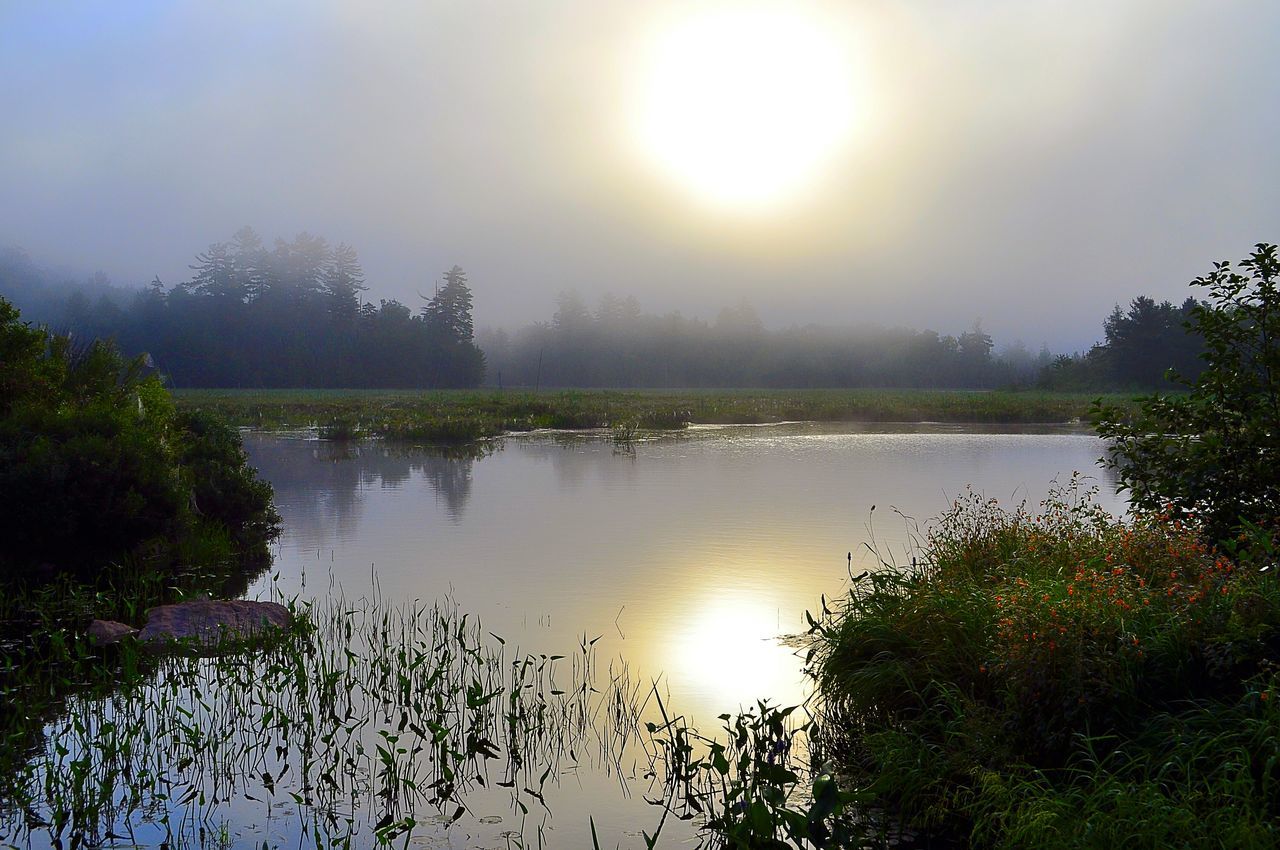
<point>294,315</point>
<point>251,316</point>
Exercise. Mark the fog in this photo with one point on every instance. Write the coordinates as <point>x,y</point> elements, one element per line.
<point>1029,165</point>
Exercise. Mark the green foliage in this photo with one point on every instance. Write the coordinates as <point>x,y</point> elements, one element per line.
<point>745,788</point>
<point>460,416</point>
<point>224,487</point>
<point>97,468</point>
<point>1025,676</point>
<point>1214,452</point>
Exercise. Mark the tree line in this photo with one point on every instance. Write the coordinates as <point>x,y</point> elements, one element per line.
<point>617,345</point>
<point>1140,345</point>
<point>293,315</point>
<point>289,315</point>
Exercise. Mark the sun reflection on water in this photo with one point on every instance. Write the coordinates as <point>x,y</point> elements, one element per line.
<point>729,653</point>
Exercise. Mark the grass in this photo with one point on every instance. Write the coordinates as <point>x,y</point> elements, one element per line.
<point>365,722</point>
<point>1065,679</point>
<point>468,415</point>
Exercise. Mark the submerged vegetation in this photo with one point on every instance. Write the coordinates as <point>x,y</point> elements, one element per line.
<point>460,416</point>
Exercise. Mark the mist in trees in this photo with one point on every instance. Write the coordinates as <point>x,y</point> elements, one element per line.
<point>288,315</point>
<point>294,314</point>
<point>618,345</point>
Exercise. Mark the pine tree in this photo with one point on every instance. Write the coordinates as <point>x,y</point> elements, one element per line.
<point>215,274</point>
<point>249,261</point>
<point>449,312</point>
<point>343,281</point>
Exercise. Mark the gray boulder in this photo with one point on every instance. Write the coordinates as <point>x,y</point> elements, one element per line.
<point>108,632</point>
<point>209,623</point>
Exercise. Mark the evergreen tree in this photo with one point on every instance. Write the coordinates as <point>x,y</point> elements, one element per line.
<point>299,266</point>
<point>343,283</point>
<point>215,274</point>
<point>449,312</point>
<point>248,262</point>
<point>571,312</point>
<point>1212,453</point>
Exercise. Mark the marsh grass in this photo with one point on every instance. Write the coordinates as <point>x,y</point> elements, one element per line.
<point>365,724</point>
<point>365,719</point>
<point>468,415</point>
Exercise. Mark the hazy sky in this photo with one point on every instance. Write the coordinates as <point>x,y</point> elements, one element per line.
<point>1026,163</point>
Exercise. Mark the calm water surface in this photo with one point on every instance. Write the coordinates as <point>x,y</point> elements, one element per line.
<point>686,556</point>
<point>679,560</point>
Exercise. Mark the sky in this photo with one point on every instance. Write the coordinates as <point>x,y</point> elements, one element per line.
<point>901,162</point>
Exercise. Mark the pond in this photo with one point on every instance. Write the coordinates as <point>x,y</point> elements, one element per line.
<point>534,601</point>
<point>686,556</point>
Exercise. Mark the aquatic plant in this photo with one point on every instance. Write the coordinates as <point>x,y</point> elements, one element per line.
<point>366,721</point>
<point>468,415</point>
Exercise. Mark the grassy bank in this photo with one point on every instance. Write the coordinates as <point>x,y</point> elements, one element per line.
<point>457,416</point>
<point>1062,680</point>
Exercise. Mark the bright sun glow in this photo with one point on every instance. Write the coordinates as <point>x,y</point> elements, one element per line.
<point>745,106</point>
<point>728,653</point>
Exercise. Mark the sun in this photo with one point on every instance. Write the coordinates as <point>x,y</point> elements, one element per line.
<point>744,107</point>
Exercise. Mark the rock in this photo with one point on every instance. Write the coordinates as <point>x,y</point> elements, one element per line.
<point>208,623</point>
<point>108,632</point>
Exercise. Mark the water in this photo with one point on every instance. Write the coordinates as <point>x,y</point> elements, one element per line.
<point>688,555</point>
<point>667,570</point>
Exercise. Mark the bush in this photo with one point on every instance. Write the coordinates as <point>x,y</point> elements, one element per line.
<point>1029,661</point>
<point>96,468</point>
<point>1213,453</point>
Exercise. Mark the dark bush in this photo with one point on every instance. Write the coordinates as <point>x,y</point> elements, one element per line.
<point>96,469</point>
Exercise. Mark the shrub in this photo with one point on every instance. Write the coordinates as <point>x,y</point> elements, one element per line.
<point>97,469</point>
<point>1032,655</point>
<point>1213,453</point>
